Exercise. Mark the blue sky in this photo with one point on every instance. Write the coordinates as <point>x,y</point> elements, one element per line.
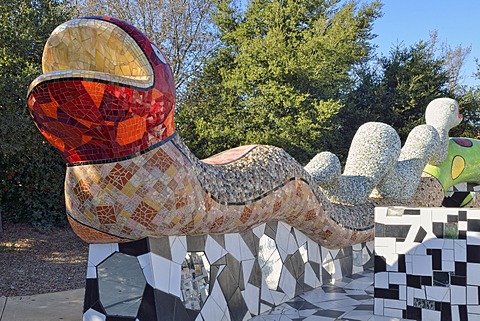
<point>408,21</point>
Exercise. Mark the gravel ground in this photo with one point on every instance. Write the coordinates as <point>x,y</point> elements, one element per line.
<point>34,262</point>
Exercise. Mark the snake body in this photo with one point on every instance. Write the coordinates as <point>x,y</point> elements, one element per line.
<point>106,102</point>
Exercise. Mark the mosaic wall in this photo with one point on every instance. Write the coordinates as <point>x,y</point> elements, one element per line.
<point>233,276</point>
<point>427,263</point>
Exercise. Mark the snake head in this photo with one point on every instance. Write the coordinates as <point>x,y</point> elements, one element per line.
<point>106,92</point>
<point>443,113</point>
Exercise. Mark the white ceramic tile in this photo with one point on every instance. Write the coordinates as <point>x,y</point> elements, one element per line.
<point>378,306</point>
<point>431,315</point>
<point>213,250</point>
<point>460,250</point>
<point>438,293</point>
<point>357,247</point>
<point>381,280</point>
<point>178,248</point>
<point>473,214</point>
<point>458,294</point>
<point>380,214</point>
<point>313,252</point>
<point>309,277</point>
<point>265,293</point>
<point>419,293</point>
<point>448,255</point>
<point>439,216</point>
<point>462,226</point>
<point>278,297</point>
<point>420,249</point>
<point>434,243</point>
<point>175,280</point>
<point>292,245</point>
<point>472,295</point>
<point>259,230</point>
<point>455,313</point>
<point>337,271</point>
<point>145,262</point>
<point>408,246</point>
<point>91,272</point>
<point>397,278</point>
<point>473,274</point>
<point>474,309</point>
<point>410,296</point>
<point>448,266</point>
<point>402,293</point>
<point>99,252</point>
<point>232,245</point>
<point>211,310</point>
<point>426,220</point>
<point>473,238</point>
<point>301,238</point>
<point>247,267</point>
<point>161,272</point>
<point>92,315</point>
<point>251,296</point>
<point>392,313</point>
<point>282,236</point>
<point>422,265</point>
<point>246,254</point>
<point>357,269</point>
<point>287,283</point>
<point>395,304</point>
<point>385,242</point>
<point>217,295</point>
<point>448,244</point>
<point>264,308</point>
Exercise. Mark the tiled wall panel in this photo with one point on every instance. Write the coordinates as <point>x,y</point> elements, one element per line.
<point>232,276</point>
<point>427,263</point>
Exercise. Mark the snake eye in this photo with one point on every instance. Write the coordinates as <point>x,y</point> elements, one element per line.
<point>452,108</point>
<point>159,54</point>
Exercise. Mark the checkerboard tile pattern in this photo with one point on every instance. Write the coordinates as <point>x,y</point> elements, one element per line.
<point>350,298</point>
<point>427,263</point>
<point>234,276</point>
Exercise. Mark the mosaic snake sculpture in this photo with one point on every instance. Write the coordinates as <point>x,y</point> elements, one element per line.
<point>106,101</point>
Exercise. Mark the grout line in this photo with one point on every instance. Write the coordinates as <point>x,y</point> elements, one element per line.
<point>3,308</point>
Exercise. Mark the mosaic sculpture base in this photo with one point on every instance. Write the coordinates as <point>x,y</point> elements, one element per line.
<point>427,263</point>
<point>232,276</point>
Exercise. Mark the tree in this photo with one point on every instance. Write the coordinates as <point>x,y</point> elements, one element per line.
<point>396,89</point>
<point>183,29</point>
<point>31,172</point>
<point>278,76</point>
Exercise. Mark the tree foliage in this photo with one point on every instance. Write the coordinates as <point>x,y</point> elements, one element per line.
<point>397,88</point>
<point>278,77</point>
<point>31,173</point>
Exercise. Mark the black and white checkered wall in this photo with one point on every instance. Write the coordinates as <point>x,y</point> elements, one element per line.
<point>233,276</point>
<point>427,263</point>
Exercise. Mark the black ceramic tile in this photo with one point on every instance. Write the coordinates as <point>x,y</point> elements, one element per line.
<point>160,246</point>
<point>227,283</point>
<point>473,254</point>
<point>196,243</point>
<point>237,307</point>
<point>147,310</point>
<point>256,275</point>
<point>420,235</point>
<point>400,232</point>
<point>135,248</point>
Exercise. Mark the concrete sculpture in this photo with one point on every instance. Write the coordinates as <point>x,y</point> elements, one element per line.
<point>106,101</point>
